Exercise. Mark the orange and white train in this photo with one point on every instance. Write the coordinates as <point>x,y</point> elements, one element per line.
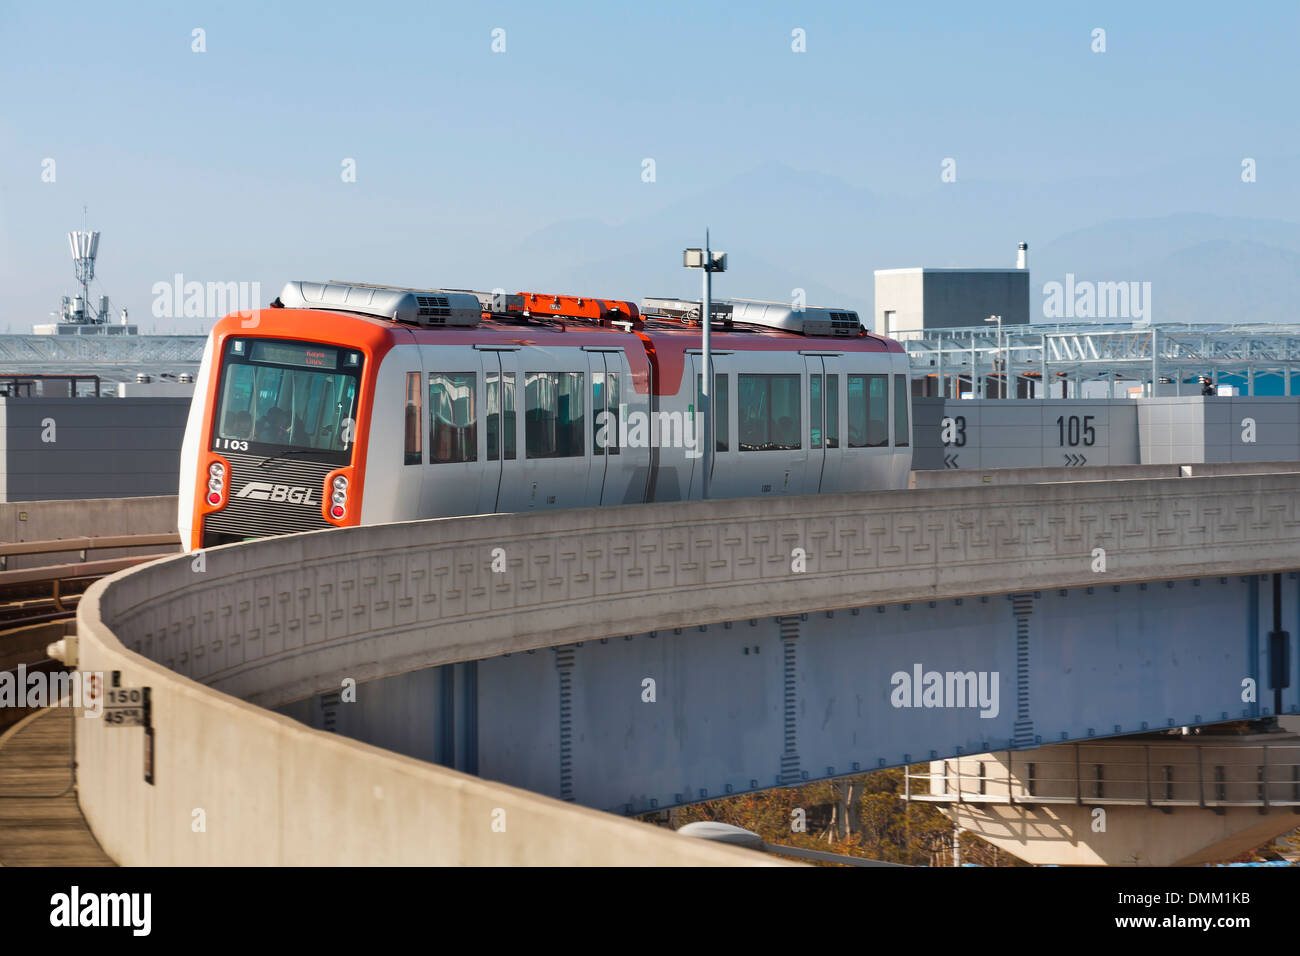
<point>346,404</point>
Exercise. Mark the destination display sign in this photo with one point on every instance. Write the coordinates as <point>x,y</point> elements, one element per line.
<point>287,353</point>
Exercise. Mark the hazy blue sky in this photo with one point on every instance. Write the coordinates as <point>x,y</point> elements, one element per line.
<point>225,165</point>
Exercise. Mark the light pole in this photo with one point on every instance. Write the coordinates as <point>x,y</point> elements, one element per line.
<point>1002,389</point>
<point>710,262</point>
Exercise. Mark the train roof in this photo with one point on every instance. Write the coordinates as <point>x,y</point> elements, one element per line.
<point>663,345</point>
<point>756,325</point>
<point>339,326</point>
<point>449,317</point>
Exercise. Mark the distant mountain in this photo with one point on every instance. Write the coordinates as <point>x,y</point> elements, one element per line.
<point>1201,268</point>
<point>774,222</point>
<point>785,229</point>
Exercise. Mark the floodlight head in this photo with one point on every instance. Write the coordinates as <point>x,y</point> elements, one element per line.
<point>719,263</point>
<point>693,258</point>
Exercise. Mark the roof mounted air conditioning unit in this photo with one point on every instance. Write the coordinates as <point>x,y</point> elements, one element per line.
<point>495,303</point>
<point>427,307</point>
<point>685,309</point>
<point>836,323</point>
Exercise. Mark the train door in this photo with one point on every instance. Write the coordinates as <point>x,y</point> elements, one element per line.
<point>603,437</point>
<point>556,409</point>
<point>866,451</point>
<point>772,423</point>
<point>833,392</point>
<point>825,386</point>
<point>723,479</point>
<point>395,470</point>
<point>454,393</point>
<point>503,477</point>
<point>816,431</point>
<point>619,467</point>
<point>676,451</point>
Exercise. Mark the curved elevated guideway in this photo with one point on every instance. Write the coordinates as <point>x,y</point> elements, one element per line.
<point>221,635</point>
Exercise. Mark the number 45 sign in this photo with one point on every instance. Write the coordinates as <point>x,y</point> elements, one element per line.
<point>124,706</point>
<point>131,707</point>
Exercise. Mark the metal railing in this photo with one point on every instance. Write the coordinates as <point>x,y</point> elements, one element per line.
<point>1213,775</point>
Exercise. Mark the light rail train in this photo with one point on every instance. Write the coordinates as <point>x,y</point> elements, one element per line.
<point>345,404</point>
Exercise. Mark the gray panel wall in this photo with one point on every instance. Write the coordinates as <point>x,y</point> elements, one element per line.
<point>1213,429</point>
<point>101,448</point>
<point>944,299</point>
<point>1145,431</point>
<point>956,299</point>
<point>992,433</point>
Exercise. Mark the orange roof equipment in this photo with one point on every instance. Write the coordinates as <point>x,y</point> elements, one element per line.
<point>603,312</point>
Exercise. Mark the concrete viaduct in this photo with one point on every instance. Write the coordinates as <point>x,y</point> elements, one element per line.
<point>624,659</point>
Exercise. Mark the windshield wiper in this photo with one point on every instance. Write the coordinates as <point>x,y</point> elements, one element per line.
<point>289,452</point>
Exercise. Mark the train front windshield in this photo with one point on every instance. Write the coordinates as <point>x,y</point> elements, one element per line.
<point>288,398</point>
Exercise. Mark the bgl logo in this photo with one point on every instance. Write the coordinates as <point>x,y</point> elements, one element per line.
<point>265,491</point>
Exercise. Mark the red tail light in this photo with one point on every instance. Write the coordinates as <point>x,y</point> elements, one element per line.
<point>337,490</point>
<point>216,483</point>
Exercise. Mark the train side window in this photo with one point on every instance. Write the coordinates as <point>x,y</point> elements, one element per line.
<point>832,411</point>
<point>453,423</point>
<point>721,410</point>
<point>604,407</point>
<point>768,406</point>
<point>414,425</point>
<point>600,421</point>
<point>492,396</point>
<point>721,413</point>
<point>900,411</point>
<point>508,415</point>
<point>815,410</point>
<point>500,415</point>
<point>554,417</point>
<point>868,411</point>
<point>615,414</point>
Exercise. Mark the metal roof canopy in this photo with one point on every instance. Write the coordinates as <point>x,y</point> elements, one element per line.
<point>1086,351</point>
<point>114,359</point>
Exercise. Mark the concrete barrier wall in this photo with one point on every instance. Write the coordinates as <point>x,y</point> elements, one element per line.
<point>280,619</point>
<point>238,785</point>
<point>1029,476</point>
<point>89,517</point>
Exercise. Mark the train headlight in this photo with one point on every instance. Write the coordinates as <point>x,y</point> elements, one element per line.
<point>216,483</point>
<point>338,488</point>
